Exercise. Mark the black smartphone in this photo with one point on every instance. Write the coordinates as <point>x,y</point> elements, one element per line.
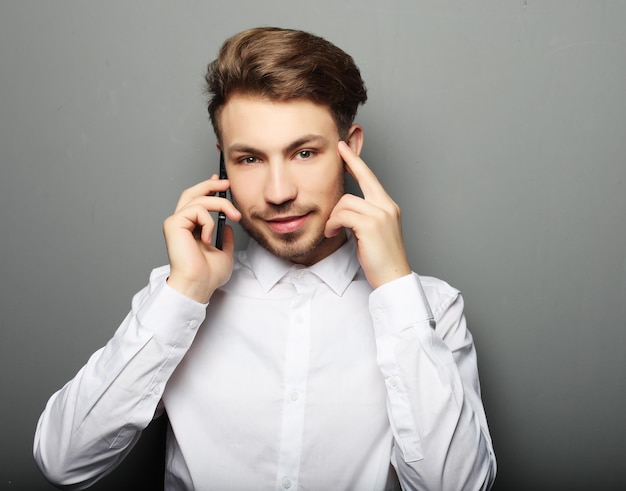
<point>221,217</point>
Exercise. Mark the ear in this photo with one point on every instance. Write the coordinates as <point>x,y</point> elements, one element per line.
<point>355,138</point>
<point>219,148</point>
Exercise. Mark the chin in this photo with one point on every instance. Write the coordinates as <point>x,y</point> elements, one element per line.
<point>295,246</point>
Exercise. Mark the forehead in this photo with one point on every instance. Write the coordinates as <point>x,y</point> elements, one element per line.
<point>264,123</point>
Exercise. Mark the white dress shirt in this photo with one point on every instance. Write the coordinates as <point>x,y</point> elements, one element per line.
<point>290,378</point>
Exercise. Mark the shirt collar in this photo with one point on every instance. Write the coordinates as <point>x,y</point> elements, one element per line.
<point>336,270</point>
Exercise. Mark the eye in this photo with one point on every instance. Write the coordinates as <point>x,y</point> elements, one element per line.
<point>248,160</point>
<point>304,154</point>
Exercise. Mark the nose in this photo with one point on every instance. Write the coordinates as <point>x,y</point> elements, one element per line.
<point>280,186</point>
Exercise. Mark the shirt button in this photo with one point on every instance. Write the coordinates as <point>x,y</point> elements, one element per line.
<point>378,313</point>
<point>393,382</point>
<point>192,324</point>
<point>294,396</point>
<point>286,483</point>
<point>299,274</point>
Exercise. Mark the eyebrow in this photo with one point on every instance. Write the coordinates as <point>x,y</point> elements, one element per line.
<point>304,140</point>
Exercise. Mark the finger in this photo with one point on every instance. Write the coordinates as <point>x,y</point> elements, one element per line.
<point>343,219</point>
<point>198,220</point>
<point>363,175</point>
<point>214,204</point>
<point>353,213</point>
<point>204,188</point>
<point>229,240</point>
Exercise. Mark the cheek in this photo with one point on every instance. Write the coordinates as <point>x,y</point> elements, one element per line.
<point>242,191</point>
<point>324,179</point>
<point>331,188</point>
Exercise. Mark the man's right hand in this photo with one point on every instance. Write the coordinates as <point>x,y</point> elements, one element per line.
<point>197,268</point>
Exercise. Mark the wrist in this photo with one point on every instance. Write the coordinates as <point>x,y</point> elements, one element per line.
<point>198,291</point>
<point>391,275</point>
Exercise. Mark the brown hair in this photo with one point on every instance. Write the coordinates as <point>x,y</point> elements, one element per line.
<point>285,64</point>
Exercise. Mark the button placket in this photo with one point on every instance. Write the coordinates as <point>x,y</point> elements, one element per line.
<point>296,372</point>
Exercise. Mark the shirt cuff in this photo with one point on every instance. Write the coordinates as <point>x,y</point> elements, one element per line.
<point>398,305</point>
<point>170,315</point>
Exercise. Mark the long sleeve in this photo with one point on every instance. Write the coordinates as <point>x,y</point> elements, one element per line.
<point>428,361</point>
<point>90,425</point>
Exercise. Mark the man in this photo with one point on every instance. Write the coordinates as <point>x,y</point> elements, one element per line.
<point>315,359</point>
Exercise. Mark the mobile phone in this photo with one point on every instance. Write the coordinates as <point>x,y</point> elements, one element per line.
<point>221,217</point>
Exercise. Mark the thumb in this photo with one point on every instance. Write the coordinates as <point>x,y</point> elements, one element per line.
<point>229,240</point>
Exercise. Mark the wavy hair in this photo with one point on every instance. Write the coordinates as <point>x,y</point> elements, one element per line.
<point>282,65</point>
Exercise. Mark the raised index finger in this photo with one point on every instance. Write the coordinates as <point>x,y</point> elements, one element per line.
<point>363,175</point>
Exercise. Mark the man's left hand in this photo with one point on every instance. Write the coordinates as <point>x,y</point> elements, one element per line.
<point>375,223</point>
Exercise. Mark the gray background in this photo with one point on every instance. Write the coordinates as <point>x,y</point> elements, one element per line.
<point>498,126</point>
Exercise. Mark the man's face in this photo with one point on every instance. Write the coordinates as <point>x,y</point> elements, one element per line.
<point>285,173</point>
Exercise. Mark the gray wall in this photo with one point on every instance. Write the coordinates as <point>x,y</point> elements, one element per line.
<point>498,126</point>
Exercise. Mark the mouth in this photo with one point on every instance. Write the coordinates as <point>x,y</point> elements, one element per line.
<point>287,224</point>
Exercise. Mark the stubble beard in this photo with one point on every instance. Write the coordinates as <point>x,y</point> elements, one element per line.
<point>288,245</point>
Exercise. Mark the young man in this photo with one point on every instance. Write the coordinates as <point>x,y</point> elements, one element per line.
<point>315,359</point>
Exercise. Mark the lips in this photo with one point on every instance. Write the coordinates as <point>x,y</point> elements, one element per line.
<point>285,225</point>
